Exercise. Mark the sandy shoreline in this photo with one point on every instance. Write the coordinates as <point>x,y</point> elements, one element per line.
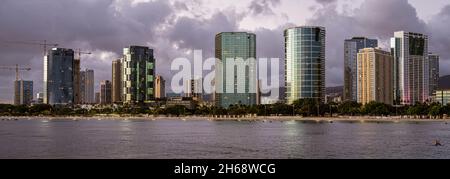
<point>353,119</point>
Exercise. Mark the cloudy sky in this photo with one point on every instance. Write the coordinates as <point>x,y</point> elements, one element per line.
<point>174,28</point>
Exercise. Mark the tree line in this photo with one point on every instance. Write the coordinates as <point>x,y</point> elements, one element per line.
<point>303,107</point>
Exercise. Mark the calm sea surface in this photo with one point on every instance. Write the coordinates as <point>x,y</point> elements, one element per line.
<point>207,139</point>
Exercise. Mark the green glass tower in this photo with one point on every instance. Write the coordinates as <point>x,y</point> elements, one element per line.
<point>305,63</point>
<point>235,80</point>
<point>138,75</point>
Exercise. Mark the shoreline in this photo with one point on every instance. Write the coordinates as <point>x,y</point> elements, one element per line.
<point>349,119</point>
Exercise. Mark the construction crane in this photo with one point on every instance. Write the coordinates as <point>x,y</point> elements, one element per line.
<point>43,43</point>
<point>79,52</point>
<point>17,68</point>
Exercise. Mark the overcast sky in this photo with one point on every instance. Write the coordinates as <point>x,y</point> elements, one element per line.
<point>176,27</point>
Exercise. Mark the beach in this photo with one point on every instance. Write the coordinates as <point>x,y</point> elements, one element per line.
<point>349,119</point>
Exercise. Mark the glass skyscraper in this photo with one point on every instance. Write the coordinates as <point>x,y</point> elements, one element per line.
<point>235,81</point>
<point>138,75</point>
<point>411,67</point>
<point>305,63</point>
<point>58,77</point>
<point>351,49</point>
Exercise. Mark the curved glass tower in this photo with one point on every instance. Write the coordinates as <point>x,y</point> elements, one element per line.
<point>305,63</point>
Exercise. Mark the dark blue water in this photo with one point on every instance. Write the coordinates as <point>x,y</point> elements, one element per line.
<point>207,139</point>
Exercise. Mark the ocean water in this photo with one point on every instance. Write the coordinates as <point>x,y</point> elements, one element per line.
<point>177,139</point>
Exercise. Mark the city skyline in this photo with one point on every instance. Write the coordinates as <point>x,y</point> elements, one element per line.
<point>180,43</point>
<point>412,71</point>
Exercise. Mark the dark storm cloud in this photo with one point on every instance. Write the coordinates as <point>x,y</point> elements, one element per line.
<point>270,44</point>
<point>187,34</point>
<point>192,33</point>
<point>374,19</point>
<point>326,1</point>
<point>438,27</point>
<point>106,26</point>
<point>98,26</point>
<point>440,33</point>
<point>263,7</point>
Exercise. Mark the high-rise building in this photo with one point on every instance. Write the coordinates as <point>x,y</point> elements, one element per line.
<point>82,87</point>
<point>236,73</point>
<point>351,49</point>
<point>411,67</point>
<point>160,87</point>
<point>375,76</point>
<point>58,77</point>
<point>105,92</point>
<point>23,94</point>
<point>116,81</point>
<point>76,81</point>
<point>258,92</point>
<point>305,63</point>
<point>194,89</point>
<point>434,72</point>
<point>87,87</point>
<point>96,98</point>
<point>138,69</point>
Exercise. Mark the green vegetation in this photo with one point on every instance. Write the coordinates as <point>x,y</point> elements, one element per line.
<point>305,108</point>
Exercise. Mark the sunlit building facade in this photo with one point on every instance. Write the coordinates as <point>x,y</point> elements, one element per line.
<point>351,49</point>
<point>305,63</point>
<point>160,87</point>
<point>116,83</point>
<point>375,76</point>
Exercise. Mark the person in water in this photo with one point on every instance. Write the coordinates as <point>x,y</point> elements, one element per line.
<point>437,143</point>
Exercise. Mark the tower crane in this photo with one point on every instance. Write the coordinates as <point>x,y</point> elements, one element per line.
<point>43,44</point>
<point>17,68</point>
<point>80,52</point>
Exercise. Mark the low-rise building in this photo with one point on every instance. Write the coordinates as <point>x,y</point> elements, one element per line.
<point>442,96</point>
<point>189,103</point>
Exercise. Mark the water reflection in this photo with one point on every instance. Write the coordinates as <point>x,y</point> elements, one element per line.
<point>226,139</point>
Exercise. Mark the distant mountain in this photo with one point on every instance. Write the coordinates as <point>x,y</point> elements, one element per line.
<point>334,90</point>
<point>444,82</point>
